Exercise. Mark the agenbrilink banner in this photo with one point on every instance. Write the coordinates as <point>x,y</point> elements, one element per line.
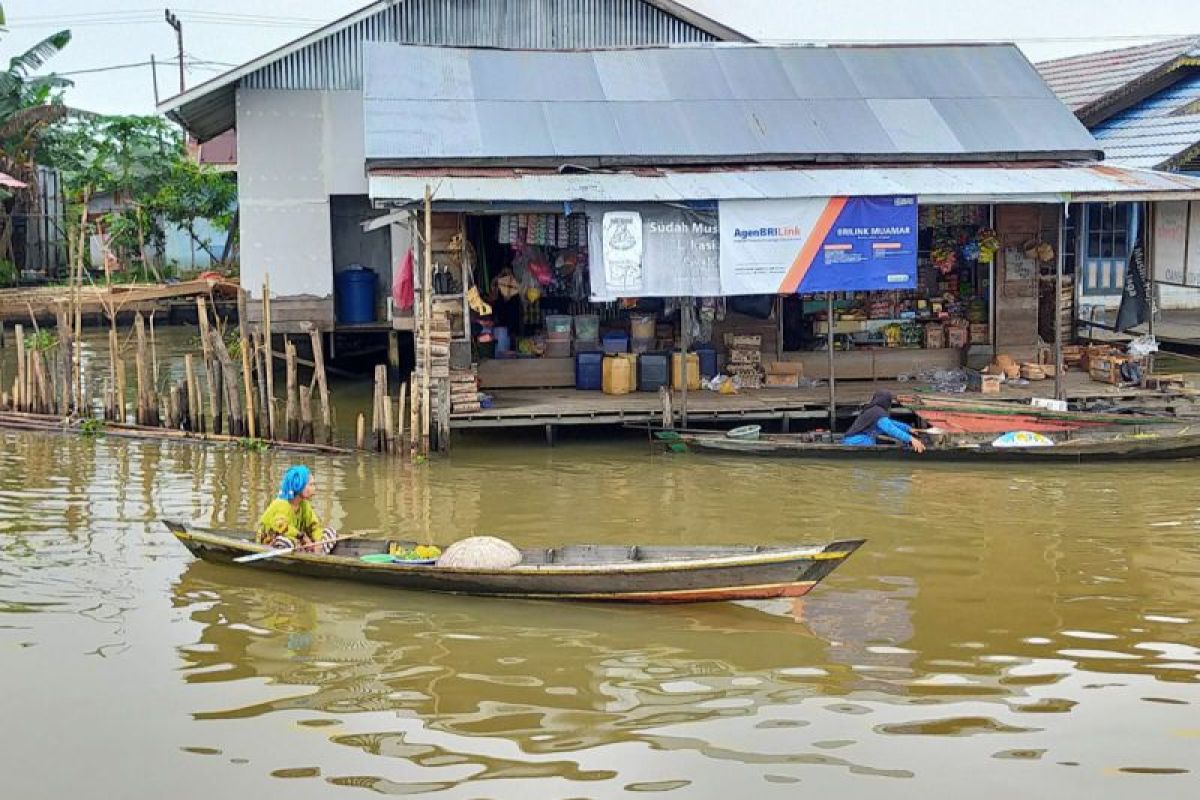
<point>838,244</point>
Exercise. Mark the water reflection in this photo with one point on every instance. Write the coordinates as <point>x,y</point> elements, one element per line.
<point>1032,632</point>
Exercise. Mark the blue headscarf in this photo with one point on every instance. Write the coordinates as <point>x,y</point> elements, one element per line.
<point>293,483</point>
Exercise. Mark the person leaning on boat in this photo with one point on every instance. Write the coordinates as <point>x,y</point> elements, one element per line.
<point>290,522</point>
<point>874,421</point>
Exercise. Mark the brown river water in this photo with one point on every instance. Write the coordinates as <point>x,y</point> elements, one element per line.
<point>1004,632</point>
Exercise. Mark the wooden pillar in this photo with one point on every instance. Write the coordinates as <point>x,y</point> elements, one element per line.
<point>260,358</point>
<point>322,383</point>
<point>291,407</point>
<point>832,379</point>
<point>21,391</point>
<point>247,379</point>
<point>269,358</point>
<point>306,417</point>
<point>1058,278</point>
<point>209,365</point>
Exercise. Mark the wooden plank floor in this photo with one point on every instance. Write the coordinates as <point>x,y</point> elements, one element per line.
<point>536,407</point>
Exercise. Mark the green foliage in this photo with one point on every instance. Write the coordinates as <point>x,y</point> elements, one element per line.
<point>92,428</point>
<point>41,339</point>
<point>8,272</point>
<point>20,88</point>
<point>254,445</point>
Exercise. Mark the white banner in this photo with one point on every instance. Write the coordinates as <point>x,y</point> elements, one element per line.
<point>1176,243</point>
<point>653,250</point>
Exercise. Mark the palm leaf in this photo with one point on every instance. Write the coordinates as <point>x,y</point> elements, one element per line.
<point>33,58</point>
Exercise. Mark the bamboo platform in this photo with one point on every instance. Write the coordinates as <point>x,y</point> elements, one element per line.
<point>518,408</point>
<point>43,302</point>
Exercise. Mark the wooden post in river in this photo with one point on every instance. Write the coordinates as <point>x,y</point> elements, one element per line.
<point>193,393</point>
<point>318,352</point>
<point>247,382</point>
<point>19,391</point>
<point>264,430</point>
<point>237,423</point>
<point>268,354</point>
<point>291,409</point>
<point>209,366</point>
<point>147,406</point>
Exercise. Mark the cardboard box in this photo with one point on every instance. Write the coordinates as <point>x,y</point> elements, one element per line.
<point>935,337</point>
<point>776,380</point>
<point>786,368</point>
<point>956,337</point>
<point>978,333</point>
<point>984,383</point>
<point>1106,369</point>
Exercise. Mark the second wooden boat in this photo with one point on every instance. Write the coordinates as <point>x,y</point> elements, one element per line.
<point>1098,447</point>
<point>611,573</point>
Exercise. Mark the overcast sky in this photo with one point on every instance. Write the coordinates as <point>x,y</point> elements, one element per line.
<point>229,32</point>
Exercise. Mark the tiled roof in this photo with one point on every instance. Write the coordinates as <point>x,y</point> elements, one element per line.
<point>1081,81</point>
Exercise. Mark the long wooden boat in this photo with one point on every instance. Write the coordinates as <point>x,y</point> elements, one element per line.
<point>619,573</point>
<point>976,416</point>
<point>1084,449</point>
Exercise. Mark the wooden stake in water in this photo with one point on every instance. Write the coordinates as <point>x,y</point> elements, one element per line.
<point>306,419</point>
<point>143,377</point>
<point>318,350</point>
<point>120,390</point>
<point>261,382</point>
<point>247,379</point>
<point>268,354</point>
<point>400,418</point>
<point>114,355</point>
<point>360,438</point>
<point>189,377</point>
<point>291,407</point>
<point>19,395</point>
<point>210,378</point>
<point>231,396</point>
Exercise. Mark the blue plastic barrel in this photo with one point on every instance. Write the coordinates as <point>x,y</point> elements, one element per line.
<point>708,361</point>
<point>589,371</point>
<point>355,295</point>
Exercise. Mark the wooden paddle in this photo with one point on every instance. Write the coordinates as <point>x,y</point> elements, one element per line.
<point>281,551</point>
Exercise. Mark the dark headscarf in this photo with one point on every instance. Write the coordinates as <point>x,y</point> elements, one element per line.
<point>877,409</point>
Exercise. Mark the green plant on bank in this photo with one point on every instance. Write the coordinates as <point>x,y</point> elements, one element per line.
<point>233,343</point>
<point>8,272</point>
<point>91,428</point>
<point>254,445</point>
<point>41,340</point>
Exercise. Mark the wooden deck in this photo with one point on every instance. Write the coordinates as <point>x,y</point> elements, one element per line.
<point>516,408</point>
<point>43,302</point>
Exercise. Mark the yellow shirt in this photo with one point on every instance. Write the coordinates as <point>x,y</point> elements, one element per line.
<point>280,519</point>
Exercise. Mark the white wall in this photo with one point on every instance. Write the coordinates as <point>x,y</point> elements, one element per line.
<point>295,148</point>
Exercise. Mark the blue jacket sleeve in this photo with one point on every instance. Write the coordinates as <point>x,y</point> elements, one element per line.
<point>896,430</point>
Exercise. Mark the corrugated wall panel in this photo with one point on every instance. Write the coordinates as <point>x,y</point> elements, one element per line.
<point>336,62</point>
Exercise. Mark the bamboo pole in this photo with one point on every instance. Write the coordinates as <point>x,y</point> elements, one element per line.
<point>62,323</point>
<point>209,367</point>
<point>247,378</point>
<point>427,319</point>
<point>360,436</point>
<point>291,410</point>
<point>269,357</point>
<point>403,444</point>
<point>120,390</point>
<point>377,412</point>
<point>154,352</point>
<point>21,392</point>
<point>389,432</point>
<point>261,382</point>
<point>306,418</point>
<point>318,351</point>
<point>114,354</point>
<point>189,376</point>
<point>143,377</point>
<point>237,422</point>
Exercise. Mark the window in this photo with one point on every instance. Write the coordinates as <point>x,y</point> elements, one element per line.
<point>1108,230</point>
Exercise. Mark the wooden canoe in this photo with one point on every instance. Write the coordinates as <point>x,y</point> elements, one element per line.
<point>1085,448</point>
<point>615,573</point>
<point>968,415</point>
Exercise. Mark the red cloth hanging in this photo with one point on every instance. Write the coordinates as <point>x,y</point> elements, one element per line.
<point>403,293</point>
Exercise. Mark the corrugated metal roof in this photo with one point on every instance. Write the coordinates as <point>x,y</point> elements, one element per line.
<point>1089,80</point>
<point>330,58</point>
<point>1154,133</point>
<point>931,184</point>
<point>712,102</point>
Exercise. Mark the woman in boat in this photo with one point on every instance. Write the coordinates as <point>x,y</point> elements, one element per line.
<point>290,522</point>
<point>874,421</point>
